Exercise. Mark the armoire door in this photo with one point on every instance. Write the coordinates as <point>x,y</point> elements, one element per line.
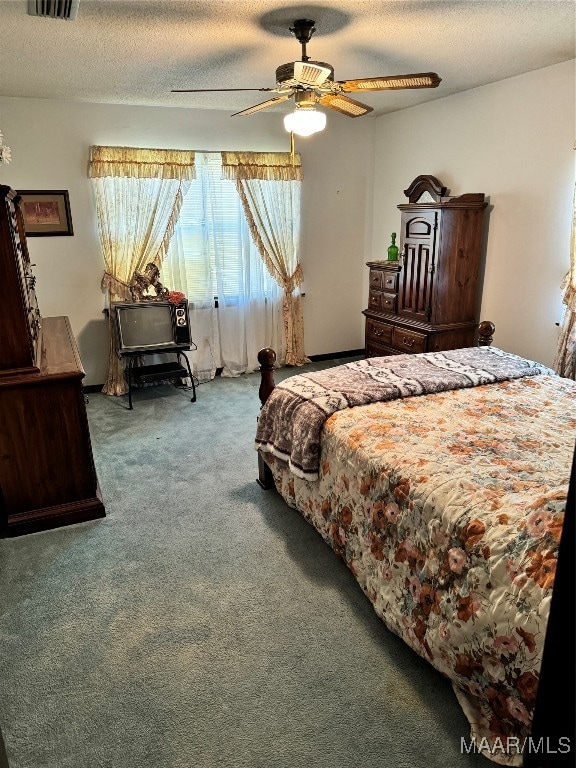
<point>419,247</point>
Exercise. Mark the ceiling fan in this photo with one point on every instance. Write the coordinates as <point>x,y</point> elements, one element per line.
<point>312,83</point>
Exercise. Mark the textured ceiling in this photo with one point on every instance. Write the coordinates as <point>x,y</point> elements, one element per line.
<point>136,51</point>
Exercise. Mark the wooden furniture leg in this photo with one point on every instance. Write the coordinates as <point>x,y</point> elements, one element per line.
<point>266,358</point>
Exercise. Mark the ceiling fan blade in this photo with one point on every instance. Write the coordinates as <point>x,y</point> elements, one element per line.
<point>310,73</point>
<point>394,82</point>
<point>263,105</point>
<point>344,104</point>
<point>216,90</point>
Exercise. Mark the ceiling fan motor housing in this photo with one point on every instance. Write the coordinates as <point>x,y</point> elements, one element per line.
<point>305,99</point>
<point>285,72</point>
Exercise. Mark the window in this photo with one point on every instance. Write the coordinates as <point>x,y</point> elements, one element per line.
<point>218,257</point>
<point>212,255</point>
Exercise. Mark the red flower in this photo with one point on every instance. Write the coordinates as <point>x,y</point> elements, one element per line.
<point>527,685</point>
<point>466,666</point>
<point>474,532</point>
<point>528,638</point>
<point>467,606</point>
<point>378,516</point>
<point>402,490</point>
<point>543,569</point>
<point>377,548</point>
<point>497,702</point>
<point>420,629</point>
<point>175,297</point>
<point>345,517</point>
<point>336,534</point>
<point>429,599</point>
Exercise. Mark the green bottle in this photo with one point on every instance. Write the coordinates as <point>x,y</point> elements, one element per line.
<point>393,249</point>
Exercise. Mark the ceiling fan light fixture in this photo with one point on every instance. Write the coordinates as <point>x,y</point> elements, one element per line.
<point>305,121</point>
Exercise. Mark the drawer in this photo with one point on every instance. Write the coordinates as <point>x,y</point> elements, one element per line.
<point>375,279</point>
<point>380,333</point>
<point>408,341</point>
<point>375,299</point>
<point>379,350</point>
<point>388,302</point>
<point>390,282</point>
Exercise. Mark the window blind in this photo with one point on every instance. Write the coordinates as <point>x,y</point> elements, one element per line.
<point>215,237</point>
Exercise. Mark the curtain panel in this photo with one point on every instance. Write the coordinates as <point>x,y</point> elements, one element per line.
<point>138,195</point>
<point>270,190</point>
<point>565,360</point>
<point>235,305</point>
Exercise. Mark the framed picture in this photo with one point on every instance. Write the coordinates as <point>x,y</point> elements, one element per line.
<point>46,213</point>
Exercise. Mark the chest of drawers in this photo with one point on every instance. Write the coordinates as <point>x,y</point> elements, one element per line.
<point>429,299</point>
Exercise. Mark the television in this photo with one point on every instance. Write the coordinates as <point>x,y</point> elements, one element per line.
<point>151,326</point>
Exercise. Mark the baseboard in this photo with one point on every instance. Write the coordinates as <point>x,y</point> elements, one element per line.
<point>337,355</point>
<point>92,388</point>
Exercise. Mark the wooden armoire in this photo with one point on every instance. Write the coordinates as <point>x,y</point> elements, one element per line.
<point>47,472</point>
<point>429,299</point>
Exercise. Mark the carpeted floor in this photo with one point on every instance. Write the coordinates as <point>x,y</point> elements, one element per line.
<point>203,623</point>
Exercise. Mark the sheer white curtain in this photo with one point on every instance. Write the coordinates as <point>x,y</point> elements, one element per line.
<point>269,186</point>
<point>235,304</point>
<point>565,360</point>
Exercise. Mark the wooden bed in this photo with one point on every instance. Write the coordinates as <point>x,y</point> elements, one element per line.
<point>441,479</point>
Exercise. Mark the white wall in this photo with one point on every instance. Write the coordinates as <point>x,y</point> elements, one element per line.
<point>50,143</point>
<point>513,141</point>
<point>336,233</point>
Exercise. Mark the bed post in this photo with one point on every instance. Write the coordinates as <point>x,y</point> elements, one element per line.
<point>485,333</point>
<point>266,358</point>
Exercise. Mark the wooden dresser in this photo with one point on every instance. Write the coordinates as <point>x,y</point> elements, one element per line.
<point>47,473</point>
<point>429,300</point>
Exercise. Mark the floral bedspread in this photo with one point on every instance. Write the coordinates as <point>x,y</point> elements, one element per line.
<point>448,509</point>
<point>292,418</point>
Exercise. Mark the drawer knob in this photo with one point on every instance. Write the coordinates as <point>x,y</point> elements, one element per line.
<point>407,341</point>
<point>376,331</point>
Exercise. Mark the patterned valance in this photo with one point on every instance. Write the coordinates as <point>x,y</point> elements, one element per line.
<point>139,163</point>
<point>267,166</point>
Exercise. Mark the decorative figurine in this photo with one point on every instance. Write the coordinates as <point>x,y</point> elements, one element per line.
<point>141,283</point>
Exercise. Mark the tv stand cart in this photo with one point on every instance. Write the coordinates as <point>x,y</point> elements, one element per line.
<point>147,374</point>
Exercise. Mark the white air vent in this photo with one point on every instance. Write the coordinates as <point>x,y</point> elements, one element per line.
<point>54,9</point>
